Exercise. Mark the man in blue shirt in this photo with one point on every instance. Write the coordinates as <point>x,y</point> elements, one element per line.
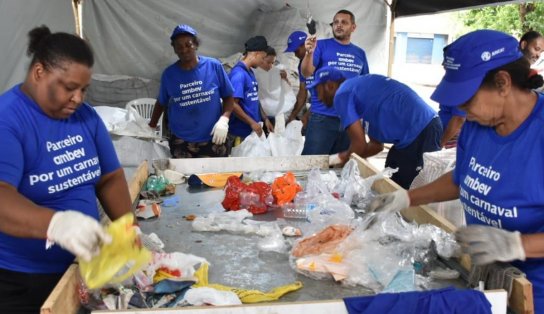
<point>191,91</point>
<point>295,44</point>
<point>324,133</point>
<point>385,110</point>
<point>498,172</point>
<point>247,110</point>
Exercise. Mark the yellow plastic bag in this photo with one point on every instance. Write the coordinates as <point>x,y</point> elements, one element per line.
<point>245,295</point>
<point>118,260</point>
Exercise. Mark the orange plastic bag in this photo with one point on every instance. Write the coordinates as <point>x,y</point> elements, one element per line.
<point>285,188</point>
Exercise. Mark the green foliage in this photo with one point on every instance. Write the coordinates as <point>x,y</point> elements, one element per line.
<point>515,19</point>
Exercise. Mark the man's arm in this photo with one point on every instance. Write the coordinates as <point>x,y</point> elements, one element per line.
<point>157,111</point>
<point>358,143</point>
<point>266,121</point>
<point>307,66</point>
<point>242,115</point>
<point>302,95</point>
<point>452,129</point>
<point>228,106</point>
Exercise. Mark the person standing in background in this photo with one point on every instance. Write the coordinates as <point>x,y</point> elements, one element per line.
<point>247,110</point>
<point>56,159</point>
<point>191,91</point>
<point>531,44</point>
<point>324,132</point>
<point>295,44</point>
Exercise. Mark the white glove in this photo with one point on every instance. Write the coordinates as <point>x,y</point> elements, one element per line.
<point>486,244</point>
<point>220,130</point>
<point>390,202</point>
<point>334,160</point>
<point>77,233</point>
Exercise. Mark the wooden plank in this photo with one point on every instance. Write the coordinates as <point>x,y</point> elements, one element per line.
<point>521,298</point>
<point>137,181</point>
<point>64,298</point>
<point>247,164</point>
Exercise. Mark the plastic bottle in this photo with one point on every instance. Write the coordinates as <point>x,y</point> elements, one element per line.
<point>290,210</point>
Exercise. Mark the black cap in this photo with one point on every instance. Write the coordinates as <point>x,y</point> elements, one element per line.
<point>257,43</point>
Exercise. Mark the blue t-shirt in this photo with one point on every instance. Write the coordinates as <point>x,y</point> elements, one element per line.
<point>447,112</point>
<point>501,183</point>
<point>391,112</point>
<point>246,90</point>
<point>55,164</point>
<point>193,98</point>
<point>349,59</point>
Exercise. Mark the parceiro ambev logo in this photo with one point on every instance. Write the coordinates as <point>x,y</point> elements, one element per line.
<point>486,56</point>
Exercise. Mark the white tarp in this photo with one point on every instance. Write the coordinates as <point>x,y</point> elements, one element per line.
<point>16,19</point>
<point>131,37</point>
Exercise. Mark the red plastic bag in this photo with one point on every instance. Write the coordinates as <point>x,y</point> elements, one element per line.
<point>255,197</point>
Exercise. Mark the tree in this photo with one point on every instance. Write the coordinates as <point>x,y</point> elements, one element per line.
<point>515,19</point>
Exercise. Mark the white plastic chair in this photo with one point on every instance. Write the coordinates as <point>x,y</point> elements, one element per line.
<point>144,107</point>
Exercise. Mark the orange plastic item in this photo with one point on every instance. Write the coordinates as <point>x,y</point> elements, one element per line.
<point>285,188</point>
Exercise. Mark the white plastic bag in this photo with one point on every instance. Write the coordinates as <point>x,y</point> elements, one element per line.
<point>253,146</point>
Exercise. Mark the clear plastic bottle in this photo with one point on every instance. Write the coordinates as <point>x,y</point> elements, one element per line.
<point>290,210</point>
<point>304,202</point>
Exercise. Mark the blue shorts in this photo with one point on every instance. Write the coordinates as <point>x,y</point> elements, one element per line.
<point>409,159</point>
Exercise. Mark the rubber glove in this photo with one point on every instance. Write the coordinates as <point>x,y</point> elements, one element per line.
<point>77,233</point>
<point>390,202</point>
<point>334,160</point>
<point>486,244</point>
<point>220,130</point>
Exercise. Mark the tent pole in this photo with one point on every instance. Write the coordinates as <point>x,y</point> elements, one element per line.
<point>392,7</point>
<point>77,9</point>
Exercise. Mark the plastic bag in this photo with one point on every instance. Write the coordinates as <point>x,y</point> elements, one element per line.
<point>285,188</point>
<point>253,146</point>
<point>255,197</point>
<point>117,260</point>
<point>289,142</point>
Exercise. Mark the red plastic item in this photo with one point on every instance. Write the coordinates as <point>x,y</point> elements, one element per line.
<point>232,195</point>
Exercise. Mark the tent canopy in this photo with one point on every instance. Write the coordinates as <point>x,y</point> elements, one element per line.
<point>418,7</point>
<point>131,37</point>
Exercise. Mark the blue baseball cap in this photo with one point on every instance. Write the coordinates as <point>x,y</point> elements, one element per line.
<point>326,74</point>
<point>296,39</point>
<point>467,61</point>
<point>182,29</point>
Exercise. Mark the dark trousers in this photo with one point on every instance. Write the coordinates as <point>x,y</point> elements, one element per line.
<point>409,159</point>
<point>24,292</point>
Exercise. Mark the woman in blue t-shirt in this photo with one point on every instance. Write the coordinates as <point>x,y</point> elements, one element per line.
<point>196,94</point>
<point>499,168</point>
<point>56,159</point>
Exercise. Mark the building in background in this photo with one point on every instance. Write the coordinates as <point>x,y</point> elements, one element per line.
<point>419,42</point>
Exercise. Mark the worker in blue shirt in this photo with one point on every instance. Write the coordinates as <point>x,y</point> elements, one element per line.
<point>196,93</point>
<point>295,44</point>
<point>385,110</point>
<point>499,170</point>
<point>56,160</point>
<point>247,109</point>
<point>324,132</point>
